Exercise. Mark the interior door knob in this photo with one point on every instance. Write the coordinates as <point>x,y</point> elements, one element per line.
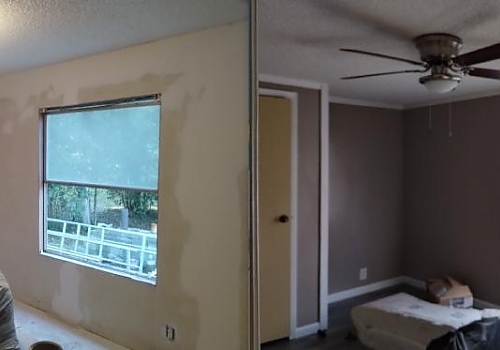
<point>283,218</point>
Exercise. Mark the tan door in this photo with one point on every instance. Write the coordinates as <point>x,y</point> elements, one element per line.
<point>274,210</point>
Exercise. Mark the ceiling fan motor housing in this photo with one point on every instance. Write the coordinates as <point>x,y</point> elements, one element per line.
<point>438,48</point>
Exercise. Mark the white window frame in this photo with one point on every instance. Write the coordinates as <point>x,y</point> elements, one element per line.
<point>44,113</point>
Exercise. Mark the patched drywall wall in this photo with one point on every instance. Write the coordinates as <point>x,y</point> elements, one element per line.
<point>366,195</point>
<point>202,231</point>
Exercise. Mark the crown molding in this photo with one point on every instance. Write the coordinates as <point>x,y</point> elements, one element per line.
<point>364,103</point>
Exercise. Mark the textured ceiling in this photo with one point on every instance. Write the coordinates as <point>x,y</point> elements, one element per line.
<point>301,39</point>
<point>39,32</point>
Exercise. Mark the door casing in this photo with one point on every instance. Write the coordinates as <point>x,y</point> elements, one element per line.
<point>293,97</point>
<point>254,304</point>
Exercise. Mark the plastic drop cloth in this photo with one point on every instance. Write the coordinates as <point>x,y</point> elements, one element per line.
<point>8,337</point>
<point>479,335</point>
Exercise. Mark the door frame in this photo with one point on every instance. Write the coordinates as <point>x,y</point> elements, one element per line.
<point>293,98</point>
<point>322,324</point>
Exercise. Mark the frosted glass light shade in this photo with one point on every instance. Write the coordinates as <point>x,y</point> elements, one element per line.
<point>440,83</point>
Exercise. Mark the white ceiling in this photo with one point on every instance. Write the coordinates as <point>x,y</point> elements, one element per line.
<point>301,39</point>
<point>39,32</point>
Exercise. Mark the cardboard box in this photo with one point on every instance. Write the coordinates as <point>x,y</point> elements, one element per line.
<point>449,292</point>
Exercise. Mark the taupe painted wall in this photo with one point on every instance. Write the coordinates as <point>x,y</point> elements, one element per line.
<point>366,189</point>
<point>452,194</point>
<point>308,202</point>
<point>203,239</point>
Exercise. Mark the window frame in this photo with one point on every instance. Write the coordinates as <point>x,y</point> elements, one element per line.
<point>44,114</point>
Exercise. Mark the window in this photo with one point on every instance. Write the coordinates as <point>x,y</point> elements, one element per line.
<point>100,185</point>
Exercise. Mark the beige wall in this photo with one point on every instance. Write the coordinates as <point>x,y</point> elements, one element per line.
<point>452,194</point>
<point>366,194</point>
<point>308,201</point>
<point>203,246</point>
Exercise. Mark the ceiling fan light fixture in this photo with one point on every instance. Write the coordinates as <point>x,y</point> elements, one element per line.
<point>440,83</point>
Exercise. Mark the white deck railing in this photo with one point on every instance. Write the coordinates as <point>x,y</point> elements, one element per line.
<point>132,251</point>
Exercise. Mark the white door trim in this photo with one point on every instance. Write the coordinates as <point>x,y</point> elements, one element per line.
<point>293,97</point>
<point>324,182</point>
<point>324,205</point>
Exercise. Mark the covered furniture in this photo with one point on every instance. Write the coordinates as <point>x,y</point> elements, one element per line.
<point>402,321</point>
<point>479,335</point>
<point>8,338</point>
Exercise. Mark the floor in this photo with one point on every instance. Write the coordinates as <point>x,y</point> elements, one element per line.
<point>339,335</point>
<point>33,325</point>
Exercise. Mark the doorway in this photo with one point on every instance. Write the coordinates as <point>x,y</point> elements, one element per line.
<point>277,207</point>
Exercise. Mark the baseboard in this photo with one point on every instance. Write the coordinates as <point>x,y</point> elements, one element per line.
<point>306,330</point>
<point>368,288</point>
<point>373,287</point>
<point>413,282</point>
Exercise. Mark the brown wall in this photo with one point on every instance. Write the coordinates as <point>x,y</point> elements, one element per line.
<point>366,179</point>
<point>452,194</point>
<point>308,203</point>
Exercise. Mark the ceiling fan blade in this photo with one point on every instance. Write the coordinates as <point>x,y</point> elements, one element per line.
<point>485,73</point>
<point>385,73</point>
<point>488,53</point>
<point>417,63</point>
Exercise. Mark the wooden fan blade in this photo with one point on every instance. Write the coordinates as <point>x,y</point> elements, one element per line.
<point>417,63</point>
<point>485,73</point>
<point>488,53</point>
<point>385,73</point>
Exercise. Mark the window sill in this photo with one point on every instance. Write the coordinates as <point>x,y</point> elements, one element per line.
<point>99,268</point>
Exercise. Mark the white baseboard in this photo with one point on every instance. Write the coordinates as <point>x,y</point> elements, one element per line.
<point>373,287</point>
<point>414,282</point>
<point>306,330</point>
<point>369,288</point>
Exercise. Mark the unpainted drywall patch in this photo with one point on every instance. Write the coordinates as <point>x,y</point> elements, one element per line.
<point>174,229</point>
<point>173,304</point>
<point>47,98</point>
<point>9,113</point>
<point>66,302</point>
<point>147,84</point>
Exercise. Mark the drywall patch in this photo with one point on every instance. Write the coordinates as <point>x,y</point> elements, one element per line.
<point>66,302</point>
<point>179,308</point>
<point>8,114</point>
<point>147,84</point>
<point>174,229</point>
<point>11,114</point>
<point>47,98</point>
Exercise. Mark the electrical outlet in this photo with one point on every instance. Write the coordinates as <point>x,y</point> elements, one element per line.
<point>363,273</point>
<point>170,333</point>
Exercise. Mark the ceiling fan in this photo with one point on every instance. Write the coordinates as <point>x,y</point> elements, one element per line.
<point>439,53</point>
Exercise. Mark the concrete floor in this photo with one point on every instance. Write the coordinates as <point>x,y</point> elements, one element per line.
<point>33,325</point>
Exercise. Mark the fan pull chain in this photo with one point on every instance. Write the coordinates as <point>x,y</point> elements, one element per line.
<point>430,119</point>
<point>450,132</point>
